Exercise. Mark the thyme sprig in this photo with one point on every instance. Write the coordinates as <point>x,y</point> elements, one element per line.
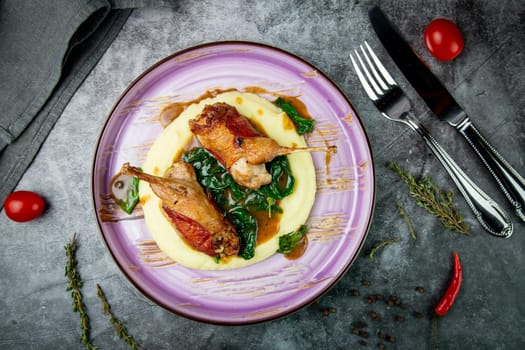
<point>431,198</point>
<point>74,285</point>
<point>120,328</point>
<point>380,245</point>
<point>405,217</point>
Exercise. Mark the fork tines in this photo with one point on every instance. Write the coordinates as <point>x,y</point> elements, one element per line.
<point>375,84</point>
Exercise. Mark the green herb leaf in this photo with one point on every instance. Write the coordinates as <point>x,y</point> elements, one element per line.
<point>289,241</point>
<point>429,197</point>
<point>74,285</point>
<point>380,245</point>
<point>404,215</point>
<point>237,202</point>
<point>279,168</point>
<point>120,328</point>
<point>302,124</point>
<point>132,197</point>
<point>246,226</point>
<point>129,200</point>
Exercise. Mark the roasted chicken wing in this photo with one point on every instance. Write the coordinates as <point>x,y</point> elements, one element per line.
<point>193,214</point>
<point>240,148</point>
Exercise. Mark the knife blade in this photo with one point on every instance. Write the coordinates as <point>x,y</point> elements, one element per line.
<point>445,107</point>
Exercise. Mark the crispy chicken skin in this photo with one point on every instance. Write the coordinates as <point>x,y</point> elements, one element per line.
<point>193,214</point>
<point>235,143</point>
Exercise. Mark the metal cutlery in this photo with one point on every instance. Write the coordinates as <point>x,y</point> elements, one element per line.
<point>388,97</point>
<point>446,108</point>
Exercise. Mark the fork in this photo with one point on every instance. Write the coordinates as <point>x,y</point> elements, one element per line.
<point>393,104</point>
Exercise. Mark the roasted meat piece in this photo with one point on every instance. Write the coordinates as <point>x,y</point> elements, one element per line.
<point>235,143</point>
<point>195,217</point>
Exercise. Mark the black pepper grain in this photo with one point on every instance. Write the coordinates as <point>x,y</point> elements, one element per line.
<point>360,324</point>
<point>375,316</point>
<point>418,314</point>
<point>399,318</point>
<point>390,338</point>
<point>420,290</point>
<point>355,293</point>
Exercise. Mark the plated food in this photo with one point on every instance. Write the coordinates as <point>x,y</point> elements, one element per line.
<point>336,224</point>
<point>194,215</point>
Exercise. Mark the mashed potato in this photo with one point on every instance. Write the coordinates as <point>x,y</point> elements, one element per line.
<point>172,142</point>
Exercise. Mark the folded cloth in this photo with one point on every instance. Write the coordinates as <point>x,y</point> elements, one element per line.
<point>47,48</point>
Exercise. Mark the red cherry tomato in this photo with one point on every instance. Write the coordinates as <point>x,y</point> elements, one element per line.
<point>22,206</point>
<point>443,39</point>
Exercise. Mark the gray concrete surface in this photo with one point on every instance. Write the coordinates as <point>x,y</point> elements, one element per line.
<point>487,79</point>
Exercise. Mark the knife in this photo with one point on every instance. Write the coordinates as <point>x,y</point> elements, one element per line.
<point>445,107</point>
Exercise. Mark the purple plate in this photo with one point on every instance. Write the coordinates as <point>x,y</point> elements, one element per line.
<point>339,220</point>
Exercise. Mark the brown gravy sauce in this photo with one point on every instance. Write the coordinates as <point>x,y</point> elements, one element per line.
<point>299,249</point>
<point>173,110</point>
<point>268,226</point>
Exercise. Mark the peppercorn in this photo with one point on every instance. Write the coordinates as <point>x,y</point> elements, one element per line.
<point>420,290</point>
<point>364,334</point>
<point>360,324</point>
<point>381,345</point>
<point>356,331</point>
<point>399,318</point>
<point>390,338</point>
<point>365,283</point>
<point>418,314</point>
<point>375,316</point>
<point>355,293</point>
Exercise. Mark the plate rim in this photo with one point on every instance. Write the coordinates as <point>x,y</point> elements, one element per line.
<point>262,319</point>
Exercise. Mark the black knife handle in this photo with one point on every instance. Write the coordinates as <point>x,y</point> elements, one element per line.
<point>507,178</point>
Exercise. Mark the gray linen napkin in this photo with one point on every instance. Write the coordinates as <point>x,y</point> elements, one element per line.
<point>47,48</point>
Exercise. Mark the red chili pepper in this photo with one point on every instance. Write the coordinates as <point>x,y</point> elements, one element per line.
<point>453,289</point>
